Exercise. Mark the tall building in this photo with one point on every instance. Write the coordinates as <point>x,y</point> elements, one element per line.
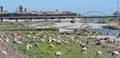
<point>17,10</point>
<point>25,9</point>
<point>20,8</point>
<point>2,9</point>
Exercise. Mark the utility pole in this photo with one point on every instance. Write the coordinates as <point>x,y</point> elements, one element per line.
<point>118,4</point>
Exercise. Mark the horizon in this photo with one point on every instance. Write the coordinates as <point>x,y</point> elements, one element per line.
<point>106,6</point>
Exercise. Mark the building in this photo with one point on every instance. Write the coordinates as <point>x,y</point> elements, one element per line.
<point>40,12</point>
<point>56,12</point>
<point>5,12</point>
<point>17,10</point>
<point>117,12</point>
<point>20,8</point>
<point>25,9</point>
<point>47,12</point>
<point>34,12</point>
<point>2,9</point>
<point>66,12</point>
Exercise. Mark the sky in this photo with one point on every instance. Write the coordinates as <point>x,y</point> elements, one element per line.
<point>79,6</point>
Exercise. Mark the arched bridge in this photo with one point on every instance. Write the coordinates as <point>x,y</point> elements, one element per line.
<point>94,11</point>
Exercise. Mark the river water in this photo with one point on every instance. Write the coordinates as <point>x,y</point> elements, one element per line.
<point>112,32</point>
<point>105,31</point>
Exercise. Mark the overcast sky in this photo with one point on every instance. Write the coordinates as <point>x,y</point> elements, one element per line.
<point>81,6</point>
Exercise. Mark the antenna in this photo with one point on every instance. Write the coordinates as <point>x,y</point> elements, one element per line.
<point>118,4</point>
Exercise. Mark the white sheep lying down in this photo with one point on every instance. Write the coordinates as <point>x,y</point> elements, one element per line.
<point>58,53</point>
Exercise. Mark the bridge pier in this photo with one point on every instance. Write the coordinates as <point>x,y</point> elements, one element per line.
<point>31,19</point>
<point>16,20</point>
<point>1,20</point>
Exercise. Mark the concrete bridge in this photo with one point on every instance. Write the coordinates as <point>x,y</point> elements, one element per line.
<point>55,17</point>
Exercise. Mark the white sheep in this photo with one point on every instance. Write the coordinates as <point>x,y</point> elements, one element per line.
<point>49,40</point>
<point>84,49</point>
<point>37,44</point>
<point>102,42</point>
<point>53,40</point>
<point>51,46</point>
<point>7,40</point>
<point>116,52</point>
<point>19,42</point>
<point>58,53</point>
<point>1,40</point>
<point>29,36</point>
<point>29,46</point>
<point>99,53</point>
<point>42,40</point>
<point>4,52</point>
<point>58,36</point>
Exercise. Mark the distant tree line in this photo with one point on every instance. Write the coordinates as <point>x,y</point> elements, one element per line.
<point>20,14</point>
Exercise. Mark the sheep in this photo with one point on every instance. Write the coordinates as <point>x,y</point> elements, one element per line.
<point>7,40</point>
<point>29,46</point>
<point>29,36</point>
<point>51,46</point>
<point>1,40</point>
<point>32,41</point>
<point>102,42</point>
<point>4,52</point>
<point>99,53</point>
<point>84,49</point>
<point>58,36</point>
<point>26,41</point>
<point>53,40</point>
<point>49,40</point>
<point>36,44</point>
<point>116,52</point>
<point>58,53</point>
<point>33,37</point>
<point>83,45</point>
<point>42,40</point>
<point>59,42</point>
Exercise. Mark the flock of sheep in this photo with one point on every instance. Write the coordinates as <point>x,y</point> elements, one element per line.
<point>19,38</point>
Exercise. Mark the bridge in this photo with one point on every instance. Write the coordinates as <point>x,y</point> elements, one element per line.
<point>59,17</point>
<point>56,17</point>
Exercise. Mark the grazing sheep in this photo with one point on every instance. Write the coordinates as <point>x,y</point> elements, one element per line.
<point>4,52</point>
<point>42,40</point>
<point>37,44</point>
<point>51,46</point>
<point>58,53</point>
<point>53,40</point>
<point>58,36</point>
<point>84,49</point>
<point>26,41</point>
<point>29,46</point>
<point>116,52</point>
<point>99,53</point>
<point>49,40</point>
<point>106,38</point>
<point>33,37</point>
<point>7,40</point>
<point>32,41</point>
<point>29,36</point>
<point>1,40</point>
<point>83,45</point>
<point>102,42</point>
<point>19,42</point>
<point>59,42</point>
